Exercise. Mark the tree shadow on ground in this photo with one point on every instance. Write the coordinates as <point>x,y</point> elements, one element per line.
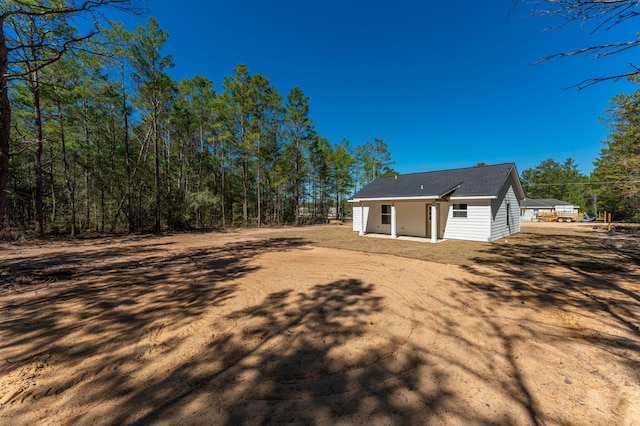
<point>173,347</point>
<point>109,306</point>
<point>577,278</point>
<point>288,363</point>
<point>314,357</point>
<point>145,335</point>
<point>565,272</point>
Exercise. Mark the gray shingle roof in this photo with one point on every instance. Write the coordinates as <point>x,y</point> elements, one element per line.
<point>543,203</point>
<point>481,181</point>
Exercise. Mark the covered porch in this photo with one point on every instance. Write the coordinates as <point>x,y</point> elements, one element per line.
<point>420,219</point>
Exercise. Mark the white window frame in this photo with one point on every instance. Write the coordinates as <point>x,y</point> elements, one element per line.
<point>385,214</point>
<point>460,211</point>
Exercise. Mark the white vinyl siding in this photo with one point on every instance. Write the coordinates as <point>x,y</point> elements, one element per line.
<point>372,219</point>
<point>500,227</point>
<point>474,227</point>
<point>357,214</point>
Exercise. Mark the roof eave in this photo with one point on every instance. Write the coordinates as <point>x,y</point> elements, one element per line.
<point>421,197</point>
<point>476,197</point>
<point>430,197</point>
<point>517,183</point>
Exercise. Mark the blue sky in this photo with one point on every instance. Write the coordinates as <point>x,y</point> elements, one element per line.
<point>445,84</point>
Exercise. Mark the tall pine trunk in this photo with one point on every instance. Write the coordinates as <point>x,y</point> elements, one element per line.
<point>222,183</point>
<point>5,125</point>
<point>69,184</point>
<point>37,119</point>
<point>87,180</point>
<point>5,144</point>
<point>297,184</point>
<point>258,184</point>
<point>156,140</point>
<point>245,192</point>
<point>126,203</point>
<point>52,179</point>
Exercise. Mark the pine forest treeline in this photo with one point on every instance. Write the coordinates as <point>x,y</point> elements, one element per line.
<point>614,184</point>
<point>104,140</point>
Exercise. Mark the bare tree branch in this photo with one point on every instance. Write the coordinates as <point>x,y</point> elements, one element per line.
<point>35,10</point>
<point>595,80</point>
<point>603,15</point>
<point>31,67</point>
<point>604,49</point>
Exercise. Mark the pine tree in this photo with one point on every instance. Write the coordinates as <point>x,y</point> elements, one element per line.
<point>619,162</point>
<point>299,133</point>
<point>38,33</point>
<point>155,89</point>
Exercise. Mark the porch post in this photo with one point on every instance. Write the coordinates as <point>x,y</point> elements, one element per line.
<point>361,233</point>
<point>434,223</point>
<point>393,221</point>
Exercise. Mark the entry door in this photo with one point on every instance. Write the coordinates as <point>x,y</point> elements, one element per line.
<point>428,217</point>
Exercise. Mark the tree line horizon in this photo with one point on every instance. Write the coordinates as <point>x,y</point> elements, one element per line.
<point>109,142</point>
<point>97,137</point>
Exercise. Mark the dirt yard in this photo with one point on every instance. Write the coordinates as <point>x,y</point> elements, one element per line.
<point>320,326</point>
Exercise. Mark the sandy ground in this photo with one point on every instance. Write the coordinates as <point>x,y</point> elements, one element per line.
<point>236,328</point>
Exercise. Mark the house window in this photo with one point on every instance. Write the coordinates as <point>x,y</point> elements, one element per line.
<point>386,214</point>
<point>459,210</point>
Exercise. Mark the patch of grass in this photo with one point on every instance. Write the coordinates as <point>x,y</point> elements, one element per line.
<point>342,237</point>
<point>534,244</point>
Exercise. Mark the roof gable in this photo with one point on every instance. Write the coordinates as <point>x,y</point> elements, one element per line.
<point>470,182</point>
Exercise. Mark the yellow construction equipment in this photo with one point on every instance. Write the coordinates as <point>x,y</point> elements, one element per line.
<point>564,217</point>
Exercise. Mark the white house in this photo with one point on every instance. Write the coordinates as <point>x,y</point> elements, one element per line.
<point>532,207</point>
<point>476,203</point>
